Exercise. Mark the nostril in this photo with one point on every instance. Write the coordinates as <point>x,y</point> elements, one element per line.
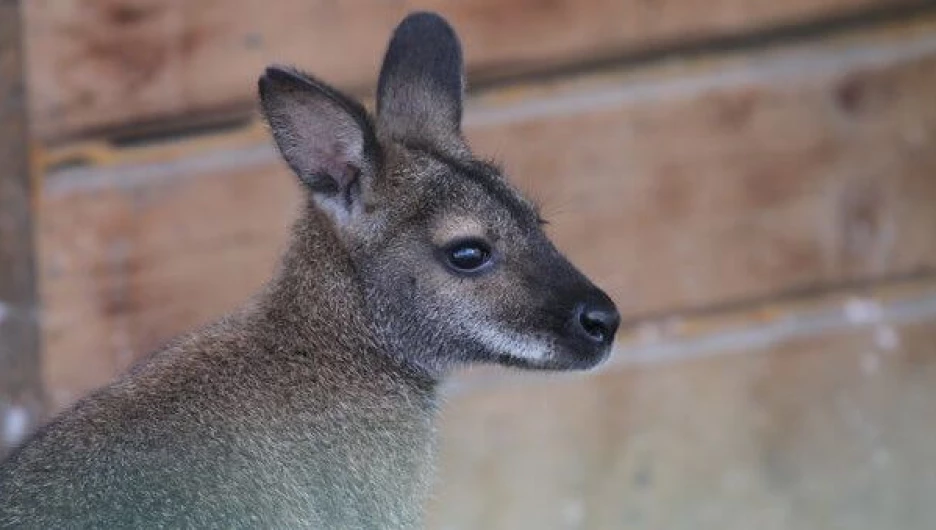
<point>599,324</point>
<point>593,325</point>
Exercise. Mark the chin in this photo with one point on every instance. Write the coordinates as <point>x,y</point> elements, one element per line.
<point>562,360</point>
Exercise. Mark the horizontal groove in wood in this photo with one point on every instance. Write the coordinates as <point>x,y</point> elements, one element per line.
<point>107,66</point>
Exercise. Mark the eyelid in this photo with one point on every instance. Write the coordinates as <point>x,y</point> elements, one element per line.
<point>452,228</point>
<point>456,241</point>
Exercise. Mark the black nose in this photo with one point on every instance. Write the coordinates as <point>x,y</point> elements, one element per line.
<point>598,321</point>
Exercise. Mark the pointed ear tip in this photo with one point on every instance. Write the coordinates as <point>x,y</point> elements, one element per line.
<point>280,78</point>
<point>277,73</point>
<point>428,23</point>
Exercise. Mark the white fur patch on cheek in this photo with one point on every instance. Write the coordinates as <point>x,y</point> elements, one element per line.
<point>510,343</point>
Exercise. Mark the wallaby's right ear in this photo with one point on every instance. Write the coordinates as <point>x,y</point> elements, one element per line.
<point>326,137</point>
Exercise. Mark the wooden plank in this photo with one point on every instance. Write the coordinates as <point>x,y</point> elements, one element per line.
<point>20,376</point>
<point>127,268</point>
<point>831,431</point>
<point>788,171</point>
<point>104,63</point>
<point>680,187</point>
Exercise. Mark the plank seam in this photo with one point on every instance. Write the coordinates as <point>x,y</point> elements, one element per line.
<point>772,70</point>
<point>778,69</point>
<point>763,39</point>
<point>856,312</point>
<point>497,76</point>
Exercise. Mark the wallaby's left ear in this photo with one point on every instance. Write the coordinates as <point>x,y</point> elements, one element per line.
<point>326,137</point>
<point>421,85</point>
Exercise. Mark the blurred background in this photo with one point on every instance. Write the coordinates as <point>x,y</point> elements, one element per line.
<point>754,181</point>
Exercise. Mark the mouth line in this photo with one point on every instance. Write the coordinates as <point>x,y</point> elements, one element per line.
<point>567,359</point>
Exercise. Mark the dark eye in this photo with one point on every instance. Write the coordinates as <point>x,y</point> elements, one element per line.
<point>468,256</point>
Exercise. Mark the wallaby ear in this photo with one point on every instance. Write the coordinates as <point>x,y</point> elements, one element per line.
<point>419,93</point>
<point>326,138</point>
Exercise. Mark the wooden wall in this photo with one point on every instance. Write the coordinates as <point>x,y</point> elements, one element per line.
<point>21,399</point>
<point>107,63</point>
<point>825,430</point>
<point>752,181</point>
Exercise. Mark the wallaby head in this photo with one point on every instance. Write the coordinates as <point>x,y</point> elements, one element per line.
<point>452,262</point>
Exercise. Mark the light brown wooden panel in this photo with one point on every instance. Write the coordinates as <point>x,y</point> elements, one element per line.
<point>102,63</point>
<point>125,268</point>
<point>681,187</point>
<point>795,170</point>
<point>833,431</point>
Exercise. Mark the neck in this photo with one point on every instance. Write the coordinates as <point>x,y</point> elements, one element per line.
<point>316,304</point>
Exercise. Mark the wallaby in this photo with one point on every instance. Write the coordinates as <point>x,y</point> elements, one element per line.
<point>312,406</point>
